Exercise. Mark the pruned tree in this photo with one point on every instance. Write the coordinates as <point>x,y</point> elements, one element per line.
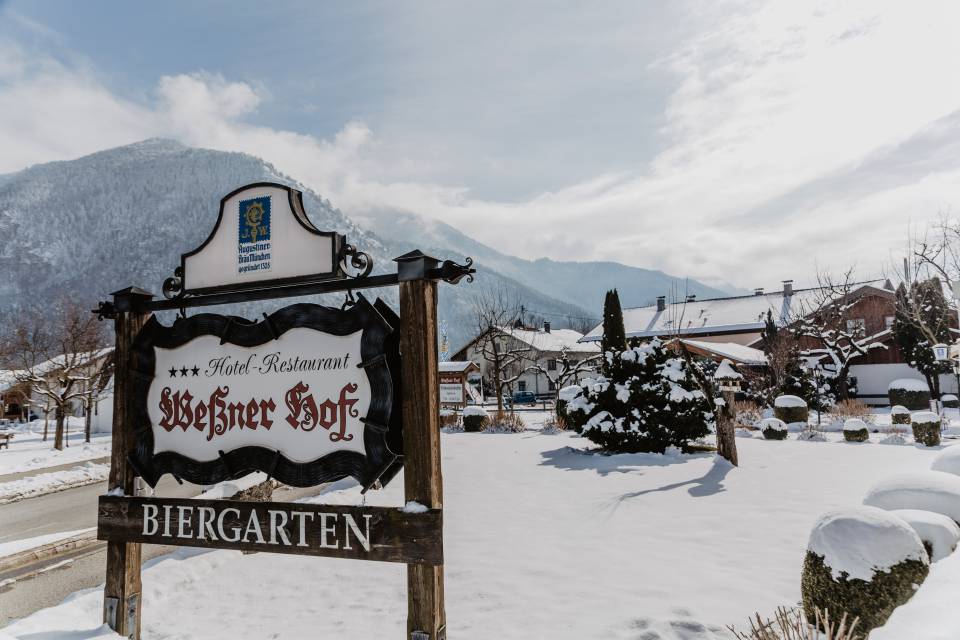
<point>496,310</point>
<point>922,320</point>
<point>830,332</point>
<point>614,335</point>
<point>568,369</point>
<point>57,355</point>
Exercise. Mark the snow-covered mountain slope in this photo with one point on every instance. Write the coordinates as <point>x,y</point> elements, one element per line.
<point>120,217</point>
<point>580,283</point>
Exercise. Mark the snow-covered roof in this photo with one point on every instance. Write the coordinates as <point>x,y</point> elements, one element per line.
<point>555,340</point>
<point>456,366</point>
<point>738,314</point>
<point>739,353</point>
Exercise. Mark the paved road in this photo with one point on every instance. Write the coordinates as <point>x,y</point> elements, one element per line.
<point>60,576</point>
<point>67,510</point>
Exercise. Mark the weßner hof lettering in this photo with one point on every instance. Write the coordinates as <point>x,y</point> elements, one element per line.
<point>366,533</point>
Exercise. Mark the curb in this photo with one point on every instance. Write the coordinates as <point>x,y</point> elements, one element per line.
<point>43,552</point>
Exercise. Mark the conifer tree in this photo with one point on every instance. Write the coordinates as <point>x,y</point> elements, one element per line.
<point>923,319</point>
<point>614,335</point>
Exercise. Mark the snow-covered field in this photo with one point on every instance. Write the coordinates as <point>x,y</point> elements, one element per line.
<point>542,539</point>
<point>28,451</point>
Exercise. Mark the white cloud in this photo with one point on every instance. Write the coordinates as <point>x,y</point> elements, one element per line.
<point>774,101</point>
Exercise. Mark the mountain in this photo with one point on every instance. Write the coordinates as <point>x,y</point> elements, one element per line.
<point>86,227</point>
<point>580,283</point>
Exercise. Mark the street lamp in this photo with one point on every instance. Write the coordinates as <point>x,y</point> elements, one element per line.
<point>813,364</point>
<point>942,354</point>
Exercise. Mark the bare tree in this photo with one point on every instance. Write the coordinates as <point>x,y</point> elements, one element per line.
<point>569,369</point>
<point>496,310</point>
<point>56,354</point>
<point>829,332</point>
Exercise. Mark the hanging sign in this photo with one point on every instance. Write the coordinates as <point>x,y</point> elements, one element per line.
<point>262,237</point>
<point>305,395</point>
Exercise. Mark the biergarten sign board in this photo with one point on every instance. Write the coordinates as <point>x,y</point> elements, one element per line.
<point>307,394</point>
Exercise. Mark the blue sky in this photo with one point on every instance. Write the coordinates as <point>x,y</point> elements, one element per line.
<point>701,138</point>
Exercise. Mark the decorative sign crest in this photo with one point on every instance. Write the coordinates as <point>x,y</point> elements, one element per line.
<point>262,237</point>
<point>305,395</point>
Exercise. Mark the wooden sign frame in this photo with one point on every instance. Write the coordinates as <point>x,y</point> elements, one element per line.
<point>415,538</point>
<point>380,462</point>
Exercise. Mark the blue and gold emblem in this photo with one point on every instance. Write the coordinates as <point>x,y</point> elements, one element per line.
<point>255,220</point>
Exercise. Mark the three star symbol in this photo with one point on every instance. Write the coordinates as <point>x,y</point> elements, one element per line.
<point>183,371</point>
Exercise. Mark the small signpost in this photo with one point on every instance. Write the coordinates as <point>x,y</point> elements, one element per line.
<point>308,394</point>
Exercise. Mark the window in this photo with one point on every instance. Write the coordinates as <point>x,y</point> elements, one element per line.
<point>522,385</point>
<point>550,385</point>
<point>552,364</point>
<point>855,325</point>
<point>888,322</point>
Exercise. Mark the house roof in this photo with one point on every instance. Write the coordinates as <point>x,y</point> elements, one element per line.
<point>457,366</point>
<point>555,340</point>
<point>737,353</point>
<point>736,314</point>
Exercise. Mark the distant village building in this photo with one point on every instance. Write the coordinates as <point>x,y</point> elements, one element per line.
<point>543,346</point>
<point>731,327</point>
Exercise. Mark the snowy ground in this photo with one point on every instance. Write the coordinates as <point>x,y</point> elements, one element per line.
<point>41,483</point>
<point>28,451</point>
<point>542,539</point>
<point>18,546</point>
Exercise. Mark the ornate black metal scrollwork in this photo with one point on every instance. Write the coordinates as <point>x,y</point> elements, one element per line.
<point>105,310</point>
<point>353,258</point>
<point>173,287</point>
<point>453,273</point>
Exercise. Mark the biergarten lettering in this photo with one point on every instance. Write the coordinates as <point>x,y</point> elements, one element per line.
<point>186,522</point>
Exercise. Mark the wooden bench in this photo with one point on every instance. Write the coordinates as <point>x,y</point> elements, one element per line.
<point>5,439</point>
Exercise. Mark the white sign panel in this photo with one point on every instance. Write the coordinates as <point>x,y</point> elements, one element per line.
<point>261,235</point>
<point>302,395</point>
<point>451,393</point>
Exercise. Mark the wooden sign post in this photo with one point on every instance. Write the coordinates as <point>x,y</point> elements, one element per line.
<point>308,395</point>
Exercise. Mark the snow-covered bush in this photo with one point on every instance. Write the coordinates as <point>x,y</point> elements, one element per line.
<point>948,461</point>
<point>899,414</point>
<point>790,409</point>
<point>448,418</point>
<point>894,438</point>
<point>926,428</point>
<point>773,428</point>
<point>909,392</point>
<point>747,412</point>
<point>564,396</point>
<point>474,418</point>
<point>811,435</point>
<point>949,401</point>
<point>505,423</point>
<point>938,533</point>
<point>578,408</point>
<point>928,490</point>
<point>651,402</point>
<point>862,561</point>
<point>855,430</point>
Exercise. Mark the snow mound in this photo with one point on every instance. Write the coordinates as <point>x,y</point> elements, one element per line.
<point>908,384</point>
<point>570,392</point>
<point>937,529</point>
<point>949,397</point>
<point>894,438</point>
<point>947,461</point>
<point>789,401</point>
<point>899,409</point>
<point>811,436</point>
<point>474,411</point>
<point>854,424</point>
<point>921,417</point>
<point>860,541</point>
<point>776,424</point>
<point>929,490</point>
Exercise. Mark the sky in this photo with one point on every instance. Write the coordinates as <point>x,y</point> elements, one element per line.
<point>737,141</point>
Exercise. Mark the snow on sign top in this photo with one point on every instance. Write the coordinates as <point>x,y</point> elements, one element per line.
<point>262,236</point>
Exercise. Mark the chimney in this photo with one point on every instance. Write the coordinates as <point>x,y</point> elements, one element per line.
<point>758,291</point>
<point>546,326</point>
<point>787,288</point>
<point>661,303</point>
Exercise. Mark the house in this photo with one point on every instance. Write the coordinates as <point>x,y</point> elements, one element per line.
<point>730,328</point>
<point>538,359</point>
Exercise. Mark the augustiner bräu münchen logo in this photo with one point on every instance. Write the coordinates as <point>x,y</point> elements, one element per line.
<point>254,247</point>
